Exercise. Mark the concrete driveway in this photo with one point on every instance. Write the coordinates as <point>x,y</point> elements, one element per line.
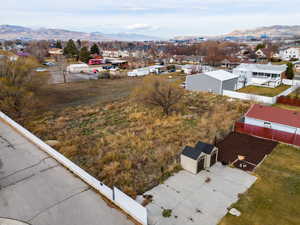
<point>36,189</point>
<point>200,199</point>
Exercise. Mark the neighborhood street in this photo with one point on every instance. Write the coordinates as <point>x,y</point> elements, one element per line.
<point>36,189</point>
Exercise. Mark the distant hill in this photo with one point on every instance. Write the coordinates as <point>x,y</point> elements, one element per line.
<point>274,31</point>
<point>11,32</point>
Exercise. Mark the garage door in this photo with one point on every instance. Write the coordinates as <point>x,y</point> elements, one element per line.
<point>200,164</point>
<point>213,158</point>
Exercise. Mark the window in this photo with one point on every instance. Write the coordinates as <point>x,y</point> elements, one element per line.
<point>267,125</point>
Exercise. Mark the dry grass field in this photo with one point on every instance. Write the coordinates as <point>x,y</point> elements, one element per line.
<point>124,144</point>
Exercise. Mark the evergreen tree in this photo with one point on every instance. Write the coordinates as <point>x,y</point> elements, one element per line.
<point>71,50</point>
<point>79,43</point>
<point>95,49</point>
<point>290,71</point>
<point>84,55</point>
<point>260,46</point>
<point>58,44</point>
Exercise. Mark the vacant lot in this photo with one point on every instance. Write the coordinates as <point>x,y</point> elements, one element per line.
<point>125,144</point>
<point>265,91</point>
<point>59,96</point>
<point>252,148</point>
<point>275,197</point>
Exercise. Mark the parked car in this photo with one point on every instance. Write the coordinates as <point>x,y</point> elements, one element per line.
<point>40,69</point>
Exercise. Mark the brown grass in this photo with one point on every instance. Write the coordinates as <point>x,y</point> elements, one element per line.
<point>131,146</point>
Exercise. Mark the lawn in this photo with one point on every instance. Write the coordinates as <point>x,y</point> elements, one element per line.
<point>288,107</point>
<point>295,94</point>
<point>126,144</point>
<point>265,91</point>
<point>275,197</point>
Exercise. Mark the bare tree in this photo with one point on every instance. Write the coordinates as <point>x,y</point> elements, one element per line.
<point>62,66</point>
<point>158,92</point>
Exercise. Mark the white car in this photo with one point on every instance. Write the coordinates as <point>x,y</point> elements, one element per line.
<point>40,69</point>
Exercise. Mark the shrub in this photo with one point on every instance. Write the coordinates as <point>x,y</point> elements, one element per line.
<point>167,213</point>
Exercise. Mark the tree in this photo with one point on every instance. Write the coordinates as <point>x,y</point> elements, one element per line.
<point>84,55</point>
<point>58,44</point>
<point>38,49</point>
<point>155,91</point>
<point>79,43</point>
<point>71,50</point>
<point>16,79</point>
<point>95,49</point>
<point>260,46</point>
<point>290,71</point>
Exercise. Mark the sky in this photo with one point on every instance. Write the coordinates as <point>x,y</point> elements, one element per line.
<point>161,18</point>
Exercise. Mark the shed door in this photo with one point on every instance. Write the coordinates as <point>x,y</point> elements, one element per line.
<point>200,164</point>
<point>213,158</point>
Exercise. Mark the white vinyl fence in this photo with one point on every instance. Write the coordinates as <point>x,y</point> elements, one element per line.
<point>126,203</point>
<point>245,96</point>
<point>291,82</point>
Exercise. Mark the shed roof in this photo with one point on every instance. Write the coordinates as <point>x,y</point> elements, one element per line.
<point>204,147</point>
<point>275,115</point>
<point>221,75</point>
<point>194,153</point>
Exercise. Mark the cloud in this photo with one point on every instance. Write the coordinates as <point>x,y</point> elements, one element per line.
<point>140,27</point>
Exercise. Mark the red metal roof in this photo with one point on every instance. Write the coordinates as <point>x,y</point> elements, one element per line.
<point>275,115</point>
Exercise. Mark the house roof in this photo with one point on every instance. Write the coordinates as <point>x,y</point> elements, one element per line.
<point>194,153</point>
<point>221,75</point>
<point>268,68</point>
<point>275,115</point>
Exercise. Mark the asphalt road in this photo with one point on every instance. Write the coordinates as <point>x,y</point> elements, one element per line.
<point>36,189</point>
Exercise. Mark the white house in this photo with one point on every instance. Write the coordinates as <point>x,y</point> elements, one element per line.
<point>201,157</point>
<point>290,53</point>
<point>260,74</point>
<point>273,118</point>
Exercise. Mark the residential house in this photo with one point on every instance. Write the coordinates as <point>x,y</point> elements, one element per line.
<point>201,157</point>
<point>260,74</point>
<point>55,51</point>
<point>265,53</point>
<point>213,81</point>
<point>230,63</point>
<point>271,123</point>
<point>290,53</point>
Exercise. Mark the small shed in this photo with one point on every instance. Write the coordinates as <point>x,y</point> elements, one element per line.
<point>202,156</point>
<point>213,81</point>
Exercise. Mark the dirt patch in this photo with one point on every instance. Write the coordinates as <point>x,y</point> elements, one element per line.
<point>252,150</point>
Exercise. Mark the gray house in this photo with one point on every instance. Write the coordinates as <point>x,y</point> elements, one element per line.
<point>201,157</point>
<point>214,81</point>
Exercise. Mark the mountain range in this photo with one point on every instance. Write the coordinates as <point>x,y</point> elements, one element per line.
<point>12,32</point>
<point>272,31</point>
